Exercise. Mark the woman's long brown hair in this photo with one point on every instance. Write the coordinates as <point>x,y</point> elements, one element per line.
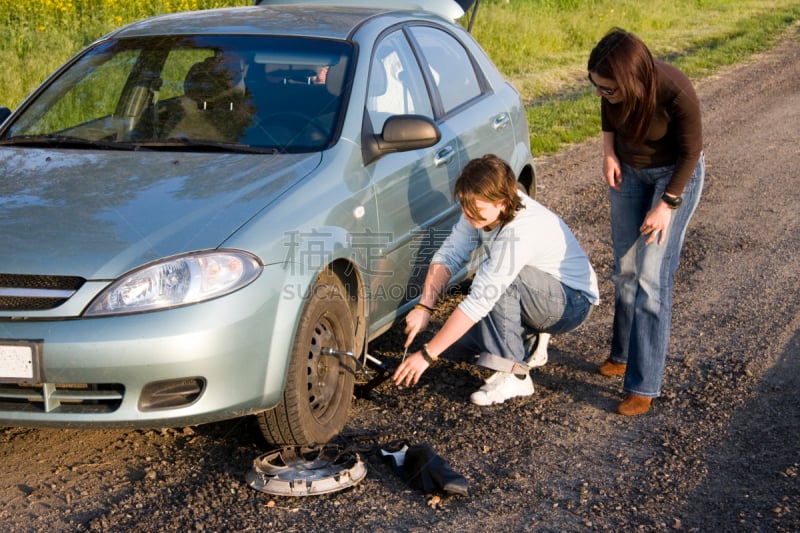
<point>624,58</point>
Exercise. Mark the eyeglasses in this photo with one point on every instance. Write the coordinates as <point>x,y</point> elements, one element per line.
<point>606,91</point>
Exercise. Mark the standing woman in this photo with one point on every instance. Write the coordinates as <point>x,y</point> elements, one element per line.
<point>653,164</point>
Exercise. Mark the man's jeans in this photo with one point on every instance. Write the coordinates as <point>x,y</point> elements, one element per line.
<point>535,302</point>
<point>643,274</point>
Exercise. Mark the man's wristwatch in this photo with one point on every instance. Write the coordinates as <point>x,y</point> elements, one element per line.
<point>427,355</point>
<point>674,202</point>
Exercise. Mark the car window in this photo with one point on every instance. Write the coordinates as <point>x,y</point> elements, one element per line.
<point>281,93</point>
<point>450,66</point>
<point>84,95</point>
<point>396,84</point>
<point>176,68</point>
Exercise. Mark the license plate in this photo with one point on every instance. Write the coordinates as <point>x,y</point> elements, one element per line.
<point>19,361</point>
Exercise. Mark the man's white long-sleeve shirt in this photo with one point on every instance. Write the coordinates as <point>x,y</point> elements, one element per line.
<point>536,237</point>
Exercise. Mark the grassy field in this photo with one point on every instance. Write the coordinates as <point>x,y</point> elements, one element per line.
<point>541,45</point>
<point>36,36</point>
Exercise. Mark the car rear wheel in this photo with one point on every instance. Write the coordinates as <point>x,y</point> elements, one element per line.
<point>319,383</point>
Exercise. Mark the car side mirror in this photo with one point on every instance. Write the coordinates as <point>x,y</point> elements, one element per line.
<point>4,114</point>
<point>400,133</point>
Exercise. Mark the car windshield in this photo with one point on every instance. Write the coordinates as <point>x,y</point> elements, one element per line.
<point>193,92</point>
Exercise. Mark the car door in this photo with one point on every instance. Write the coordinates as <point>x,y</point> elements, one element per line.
<point>413,190</point>
<point>473,114</point>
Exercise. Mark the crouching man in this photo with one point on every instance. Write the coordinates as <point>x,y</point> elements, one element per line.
<point>536,280</point>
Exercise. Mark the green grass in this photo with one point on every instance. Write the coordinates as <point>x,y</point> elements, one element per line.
<point>569,113</point>
<point>541,45</point>
<point>37,36</point>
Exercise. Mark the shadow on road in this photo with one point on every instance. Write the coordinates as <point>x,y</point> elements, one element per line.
<point>753,482</point>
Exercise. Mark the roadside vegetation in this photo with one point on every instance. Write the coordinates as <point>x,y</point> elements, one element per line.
<point>541,45</point>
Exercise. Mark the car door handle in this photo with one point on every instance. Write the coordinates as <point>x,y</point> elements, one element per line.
<point>444,156</point>
<point>501,121</point>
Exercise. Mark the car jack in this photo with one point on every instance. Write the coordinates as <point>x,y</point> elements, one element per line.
<point>372,368</point>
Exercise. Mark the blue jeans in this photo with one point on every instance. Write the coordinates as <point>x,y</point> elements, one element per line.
<point>643,274</point>
<point>535,302</point>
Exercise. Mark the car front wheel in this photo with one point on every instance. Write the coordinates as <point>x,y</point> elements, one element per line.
<point>319,383</point>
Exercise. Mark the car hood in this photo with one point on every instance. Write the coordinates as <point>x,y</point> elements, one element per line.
<point>99,214</point>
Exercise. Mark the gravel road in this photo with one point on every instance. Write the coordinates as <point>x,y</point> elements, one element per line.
<point>717,452</point>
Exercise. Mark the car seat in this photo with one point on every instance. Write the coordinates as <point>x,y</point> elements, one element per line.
<point>216,105</point>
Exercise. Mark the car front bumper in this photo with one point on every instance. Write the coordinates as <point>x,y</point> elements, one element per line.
<point>210,361</point>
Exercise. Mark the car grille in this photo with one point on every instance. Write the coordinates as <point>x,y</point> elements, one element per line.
<point>72,398</point>
<point>36,293</point>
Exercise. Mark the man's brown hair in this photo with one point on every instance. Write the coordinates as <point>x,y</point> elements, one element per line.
<point>490,179</point>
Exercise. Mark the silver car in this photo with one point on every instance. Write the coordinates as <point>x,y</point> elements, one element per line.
<point>209,215</point>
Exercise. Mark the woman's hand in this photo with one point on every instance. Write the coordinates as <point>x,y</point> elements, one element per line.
<point>612,171</point>
<point>410,370</point>
<point>656,223</point>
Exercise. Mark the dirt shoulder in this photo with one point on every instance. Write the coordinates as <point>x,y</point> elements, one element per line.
<point>718,451</point>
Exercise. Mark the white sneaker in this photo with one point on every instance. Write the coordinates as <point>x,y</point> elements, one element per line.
<point>538,356</point>
<point>501,386</point>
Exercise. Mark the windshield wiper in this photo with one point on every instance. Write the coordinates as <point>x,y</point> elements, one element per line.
<point>66,141</point>
<point>193,145</point>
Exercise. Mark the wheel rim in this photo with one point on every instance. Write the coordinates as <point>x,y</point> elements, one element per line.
<point>324,384</point>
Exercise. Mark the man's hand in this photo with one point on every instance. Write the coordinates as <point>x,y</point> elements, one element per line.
<point>410,370</point>
<point>416,321</point>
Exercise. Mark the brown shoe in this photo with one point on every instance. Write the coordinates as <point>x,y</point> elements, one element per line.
<point>634,405</point>
<point>612,368</point>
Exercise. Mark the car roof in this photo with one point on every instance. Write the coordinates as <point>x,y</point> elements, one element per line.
<point>298,19</point>
<point>449,9</point>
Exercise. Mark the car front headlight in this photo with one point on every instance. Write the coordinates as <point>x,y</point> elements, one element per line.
<point>177,281</point>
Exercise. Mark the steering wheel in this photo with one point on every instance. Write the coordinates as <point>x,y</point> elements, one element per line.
<point>301,120</point>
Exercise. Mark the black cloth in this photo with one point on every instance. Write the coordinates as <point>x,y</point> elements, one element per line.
<point>423,469</point>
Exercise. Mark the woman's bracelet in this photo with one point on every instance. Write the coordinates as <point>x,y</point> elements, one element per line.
<point>424,307</point>
<point>427,355</point>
